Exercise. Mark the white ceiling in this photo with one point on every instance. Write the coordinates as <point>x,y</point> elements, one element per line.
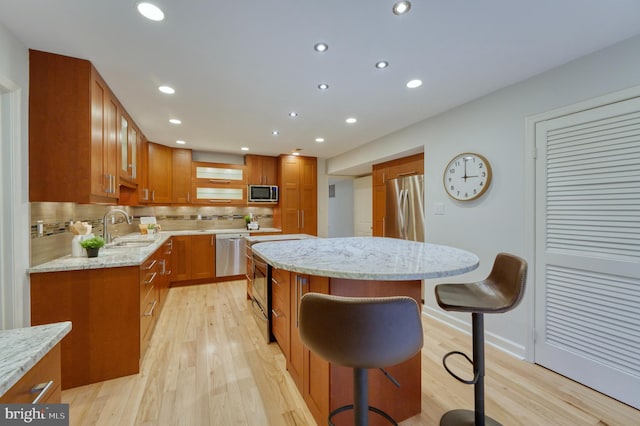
<point>239,67</point>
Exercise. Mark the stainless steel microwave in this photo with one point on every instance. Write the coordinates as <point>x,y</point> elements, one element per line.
<point>263,194</point>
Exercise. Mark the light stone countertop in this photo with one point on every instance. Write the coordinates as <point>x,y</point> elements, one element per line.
<point>113,257</point>
<point>265,238</point>
<point>367,258</point>
<point>22,348</point>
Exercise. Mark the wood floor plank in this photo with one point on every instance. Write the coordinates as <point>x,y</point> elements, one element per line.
<point>209,364</point>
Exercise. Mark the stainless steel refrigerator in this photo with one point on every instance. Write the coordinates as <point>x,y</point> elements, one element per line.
<point>404,217</point>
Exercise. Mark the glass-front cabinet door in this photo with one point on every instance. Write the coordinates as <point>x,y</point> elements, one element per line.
<point>124,147</point>
<point>128,149</point>
<point>133,149</point>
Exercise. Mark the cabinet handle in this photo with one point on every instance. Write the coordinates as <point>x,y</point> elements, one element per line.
<point>219,201</point>
<point>42,390</point>
<point>153,263</point>
<point>153,195</point>
<point>300,281</point>
<point>153,307</point>
<point>275,313</point>
<point>113,189</point>
<point>220,181</point>
<point>150,280</point>
<point>273,280</point>
<point>302,227</point>
<point>298,214</point>
<point>413,172</point>
<point>164,267</point>
<point>188,197</point>
<point>145,191</point>
<point>383,219</point>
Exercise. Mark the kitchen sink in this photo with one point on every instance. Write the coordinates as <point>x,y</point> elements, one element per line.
<point>130,244</point>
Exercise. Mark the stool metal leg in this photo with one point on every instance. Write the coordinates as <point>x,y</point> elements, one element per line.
<point>476,417</point>
<point>361,396</point>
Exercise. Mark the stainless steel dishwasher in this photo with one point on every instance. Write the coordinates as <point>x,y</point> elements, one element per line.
<point>230,254</point>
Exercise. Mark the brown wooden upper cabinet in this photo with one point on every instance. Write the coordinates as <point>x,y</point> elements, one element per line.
<point>72,131</point>
<point>218,184</point>
<point>128,143</point>
<point>181,171</point>
<point>159,174</point>
<point>298,194</point>
<point>261,170</point>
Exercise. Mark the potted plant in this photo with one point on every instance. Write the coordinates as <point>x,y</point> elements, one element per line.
<point>92,245</point>
<point>247,220</point>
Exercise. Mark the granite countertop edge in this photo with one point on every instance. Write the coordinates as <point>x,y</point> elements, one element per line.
<point>22,348</point>
<point>123,257</point>
<point>367,258</point>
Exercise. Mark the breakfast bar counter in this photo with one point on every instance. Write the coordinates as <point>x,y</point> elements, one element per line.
<point>367,258</point>
<point>354,267</point>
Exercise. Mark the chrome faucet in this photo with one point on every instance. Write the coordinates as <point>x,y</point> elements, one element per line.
<point>106,235</point>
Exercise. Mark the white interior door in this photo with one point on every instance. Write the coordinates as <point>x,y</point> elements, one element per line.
<point>587,294</point>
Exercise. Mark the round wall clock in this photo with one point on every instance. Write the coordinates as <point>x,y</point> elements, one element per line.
<point>467,176</point>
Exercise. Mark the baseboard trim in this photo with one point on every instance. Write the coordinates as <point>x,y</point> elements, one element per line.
<point>499,342</point>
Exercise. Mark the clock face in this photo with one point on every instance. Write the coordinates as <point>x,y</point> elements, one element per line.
<point>467,176</point>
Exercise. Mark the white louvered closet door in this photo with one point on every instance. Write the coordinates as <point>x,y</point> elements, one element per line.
<point>587,292</point>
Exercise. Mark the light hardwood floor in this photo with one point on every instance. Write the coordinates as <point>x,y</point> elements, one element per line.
<point>207,364</point>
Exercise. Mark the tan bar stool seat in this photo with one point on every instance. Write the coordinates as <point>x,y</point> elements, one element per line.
<point>500,292</point>
<point>361,333</point>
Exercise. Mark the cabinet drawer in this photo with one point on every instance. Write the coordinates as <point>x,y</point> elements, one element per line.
<point>280,329</point>
<point>45,371</point>
<point>148,316</point>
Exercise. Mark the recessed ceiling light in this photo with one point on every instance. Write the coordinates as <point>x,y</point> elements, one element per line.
<point>150,11</point>
<point>319,139</point>
<point>175,121</point>
<point>401,7</point>
<point>412,84</point>
<point>351,120</point>
<point>323,86</point>
<point>382,65</point>
<point>244,148</point>
<point>320,47</point>
<point>293,114</point>
<point>180,142</point>
<point>275,133</point>
<point>166,89</point>
<point>295,153</point>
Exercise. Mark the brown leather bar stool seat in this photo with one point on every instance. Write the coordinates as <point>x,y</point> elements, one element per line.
<point>500,292</point>
<point>361,333</point>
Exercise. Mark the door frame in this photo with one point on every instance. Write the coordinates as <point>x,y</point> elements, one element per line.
<point>530,188</point>
<point>14,204</point>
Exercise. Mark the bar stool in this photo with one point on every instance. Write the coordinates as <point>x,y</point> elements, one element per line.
<point>500,292</point>
<point>361,333</point>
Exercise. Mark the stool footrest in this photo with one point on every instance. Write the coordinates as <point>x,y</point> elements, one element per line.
<point>350,407</point>
<point>454,375</point>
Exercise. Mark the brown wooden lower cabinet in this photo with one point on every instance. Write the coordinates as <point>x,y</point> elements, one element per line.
<point>325,386</point>
<point>45,370</point>
<point>113,312</point>
<point>193,258</point>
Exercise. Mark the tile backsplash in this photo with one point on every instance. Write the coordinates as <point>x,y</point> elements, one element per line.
<point>51,236</point>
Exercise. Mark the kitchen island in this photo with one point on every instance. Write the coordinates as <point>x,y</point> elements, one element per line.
<point>357,267</point>
<point>29,356</point>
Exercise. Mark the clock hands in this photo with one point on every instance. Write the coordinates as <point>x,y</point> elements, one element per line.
<point>465,170</point>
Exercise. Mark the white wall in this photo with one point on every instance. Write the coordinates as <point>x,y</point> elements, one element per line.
<point>494,126</point>
<point>341,209</point>
<point>14,190</point>
<point>363,206</point>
